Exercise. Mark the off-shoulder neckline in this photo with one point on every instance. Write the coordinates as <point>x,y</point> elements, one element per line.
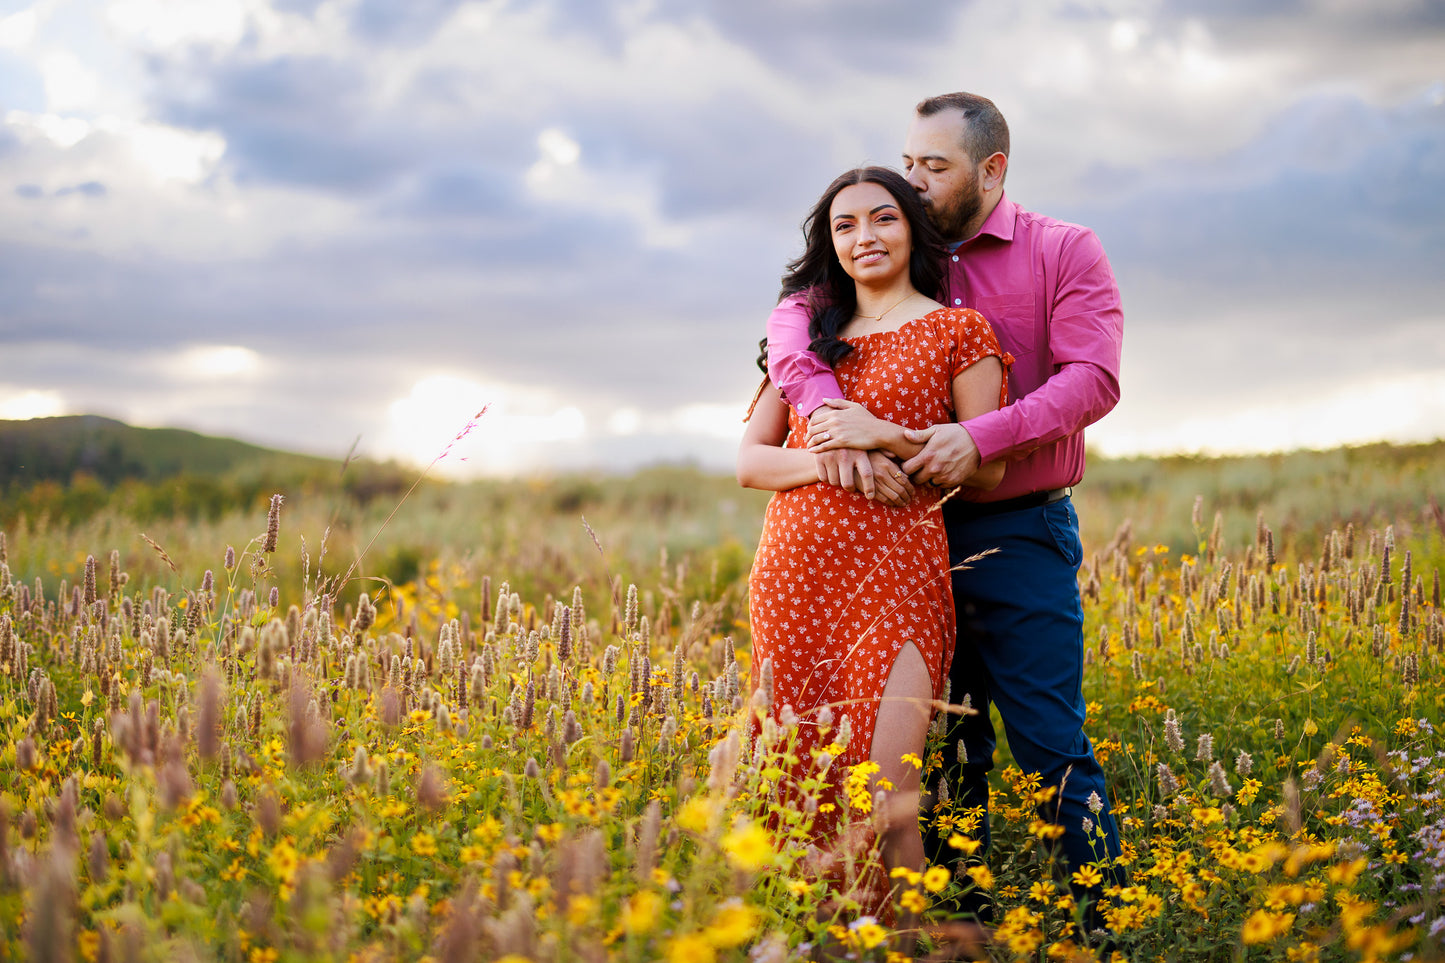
<point>905,324</point>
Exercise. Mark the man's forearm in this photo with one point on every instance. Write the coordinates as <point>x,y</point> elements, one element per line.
<point>804,380</point>
<point>1076,396</point>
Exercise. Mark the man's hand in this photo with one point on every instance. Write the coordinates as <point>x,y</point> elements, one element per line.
<point>844,424</point>
<point>847,468</point>
<point>948,458</point>
<point>892,486</point>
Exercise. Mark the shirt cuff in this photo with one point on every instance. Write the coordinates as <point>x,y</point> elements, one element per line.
<point>812,392</point>
<point>990,434</point>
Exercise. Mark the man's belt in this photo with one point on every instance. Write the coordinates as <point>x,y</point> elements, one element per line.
<point>953,508</point>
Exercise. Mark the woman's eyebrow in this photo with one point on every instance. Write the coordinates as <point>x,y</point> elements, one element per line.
<point>880,207</point>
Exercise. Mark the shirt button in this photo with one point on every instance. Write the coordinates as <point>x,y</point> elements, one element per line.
<point>958,300</point>
<point>955,257</point>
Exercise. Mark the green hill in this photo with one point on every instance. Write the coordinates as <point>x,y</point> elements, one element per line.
<point>56,449</point>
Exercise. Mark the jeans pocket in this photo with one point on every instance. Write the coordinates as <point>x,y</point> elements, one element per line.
<point>1063,524</point>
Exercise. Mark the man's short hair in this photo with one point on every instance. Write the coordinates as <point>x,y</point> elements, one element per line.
<point>985,132</point>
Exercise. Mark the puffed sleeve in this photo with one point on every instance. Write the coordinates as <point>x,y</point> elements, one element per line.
<point>973,338</point>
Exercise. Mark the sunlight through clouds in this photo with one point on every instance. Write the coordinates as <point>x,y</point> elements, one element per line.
<point>22,405</point>
<point>513,435</point>
<point>212,361</point>
<point>1404,410</point>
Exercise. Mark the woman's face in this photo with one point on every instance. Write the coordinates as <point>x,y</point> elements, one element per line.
<point>870,235</point>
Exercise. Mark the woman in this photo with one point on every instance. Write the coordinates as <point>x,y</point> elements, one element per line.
<point>850,598</point>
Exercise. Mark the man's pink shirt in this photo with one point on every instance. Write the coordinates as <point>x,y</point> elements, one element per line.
<point>1047,289</point>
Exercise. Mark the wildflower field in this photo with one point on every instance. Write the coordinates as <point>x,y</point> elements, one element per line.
<point>509,723</point>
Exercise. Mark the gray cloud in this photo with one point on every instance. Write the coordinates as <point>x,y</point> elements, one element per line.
<point>1336,198</point>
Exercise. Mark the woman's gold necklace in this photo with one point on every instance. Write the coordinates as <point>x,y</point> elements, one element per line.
<point>879,317</point>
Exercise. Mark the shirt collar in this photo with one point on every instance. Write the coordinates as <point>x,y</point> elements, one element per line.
<point>1000,222</point>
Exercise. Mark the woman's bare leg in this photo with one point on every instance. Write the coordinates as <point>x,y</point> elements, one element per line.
<point>901,728</point>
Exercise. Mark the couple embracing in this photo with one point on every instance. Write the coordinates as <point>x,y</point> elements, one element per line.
<point>934,342</point>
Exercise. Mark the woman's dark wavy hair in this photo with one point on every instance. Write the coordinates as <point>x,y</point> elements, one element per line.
<point>817,274</point>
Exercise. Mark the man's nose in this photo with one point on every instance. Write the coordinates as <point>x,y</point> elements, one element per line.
<point>915,178</point>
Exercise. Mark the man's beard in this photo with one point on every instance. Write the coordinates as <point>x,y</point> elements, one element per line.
<point>952,216</point>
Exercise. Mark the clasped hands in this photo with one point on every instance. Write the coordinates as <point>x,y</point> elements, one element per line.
<point>860,452</point>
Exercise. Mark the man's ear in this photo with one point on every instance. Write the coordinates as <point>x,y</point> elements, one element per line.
<point>994,168</point>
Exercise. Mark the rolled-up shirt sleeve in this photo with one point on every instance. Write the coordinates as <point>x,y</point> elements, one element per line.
<point>1086,331</point>
<point>803,380</point>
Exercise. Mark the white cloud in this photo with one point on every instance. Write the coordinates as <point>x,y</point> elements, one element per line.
<point>18,29</point>
<point>63,132</point>
<point>174,154</point>
<point>69,84</point>
<point>160,24</point>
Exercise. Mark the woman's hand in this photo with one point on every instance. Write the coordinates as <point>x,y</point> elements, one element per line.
<point>847,424</point>
<point>891,486</point>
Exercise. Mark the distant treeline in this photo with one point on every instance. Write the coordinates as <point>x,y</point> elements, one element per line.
<point>67,469</point>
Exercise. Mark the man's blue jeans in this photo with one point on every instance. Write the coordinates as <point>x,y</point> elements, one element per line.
<point>1021,647</point>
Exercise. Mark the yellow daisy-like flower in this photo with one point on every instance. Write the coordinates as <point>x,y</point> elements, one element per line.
<point>639,915</point>
<point>1263,926</point>
<point>734,925</point>
<point>936,878</point>
<point>424,844</point>
<point>965,844</point>
<point>747,846</point>
<point>868,933</point>
<point>912,901</point>
<point>1087,877</point>
<point>696,815</point>
<point>283,860</point>
<point>981,876</point>
<point>691,948</point>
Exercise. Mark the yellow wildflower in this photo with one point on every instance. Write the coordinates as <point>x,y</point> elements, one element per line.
<point>696,815</point>
<point>1263,926</point>
<point>734,925</point>
<point>966,845</point>
<point>691,948</point>
<point>936,878</point>
<point>867,933</point>
<point>747,846</point>
<point>639,915</point>
<point>981,876</point>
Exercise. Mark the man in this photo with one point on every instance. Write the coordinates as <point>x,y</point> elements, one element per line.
<point>1048,290</point>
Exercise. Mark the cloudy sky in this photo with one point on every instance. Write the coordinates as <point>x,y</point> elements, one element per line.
<point>298,222</point>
